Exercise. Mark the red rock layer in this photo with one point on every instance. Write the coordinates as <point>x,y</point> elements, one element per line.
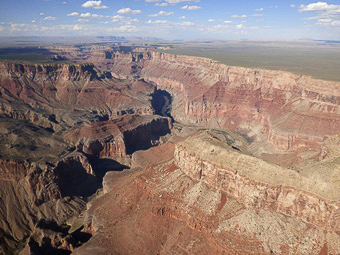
<point>283,199</point>
<point>292,112</point>
<point>160,210</point>
<point>69,87</point>
<point>119,137</point>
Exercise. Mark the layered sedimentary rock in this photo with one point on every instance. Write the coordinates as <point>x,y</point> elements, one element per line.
<point>64,126</point>
<point>51,117</point>
<point>282,112</point>
<point>66,91</point>
<point>210,199</point>
<point>120,137</point>
<point>258,184</point>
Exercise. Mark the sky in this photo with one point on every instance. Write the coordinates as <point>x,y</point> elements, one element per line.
<point>173,19</point>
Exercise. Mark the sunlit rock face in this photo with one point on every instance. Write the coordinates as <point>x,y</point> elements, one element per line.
<point>57,122</point>
<point>192,194</point>
<point>280,111</point>
<point>200,196</point>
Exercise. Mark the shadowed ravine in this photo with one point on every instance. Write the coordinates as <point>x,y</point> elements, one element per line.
<point>92,160</point>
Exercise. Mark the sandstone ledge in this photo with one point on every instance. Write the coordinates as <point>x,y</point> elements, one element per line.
<point>257,183</point>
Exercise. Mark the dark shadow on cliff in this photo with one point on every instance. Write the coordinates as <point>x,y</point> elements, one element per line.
<point>161,103</point>
<point>57,239</point>
<point>74,180</point>
<point>142,138</point>
<point>103,165</point>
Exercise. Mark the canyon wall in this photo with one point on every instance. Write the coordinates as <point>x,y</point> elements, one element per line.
<point>208,198</point>
<point>62,127</point>
<point>291,112</point>
<point>119,138</point>
<point>258,184</point>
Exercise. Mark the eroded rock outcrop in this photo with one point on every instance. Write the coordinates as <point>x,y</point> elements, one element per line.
<point>47,175</point>
<point>120,137</point>
<point>258,184</point>
<point>199,203</point>
<point>282,112</point>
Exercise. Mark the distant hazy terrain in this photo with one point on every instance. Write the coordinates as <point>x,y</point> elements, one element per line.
<point>320,59</point>
<point>31,55</point>
<point>316,58</point>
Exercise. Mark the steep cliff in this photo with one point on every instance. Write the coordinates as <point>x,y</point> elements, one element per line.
<point>121,137</point>
<point>208,198</point>
<point>258,184</point>
<point>281,112</point>
<point>51,119</point>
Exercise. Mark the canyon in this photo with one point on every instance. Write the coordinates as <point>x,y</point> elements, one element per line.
<point>61,125</point>
<point>131,151</point>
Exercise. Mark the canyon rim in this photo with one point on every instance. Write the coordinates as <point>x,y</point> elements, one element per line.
<point>129,150</point>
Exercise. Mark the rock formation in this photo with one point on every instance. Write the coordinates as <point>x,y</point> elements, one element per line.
<point>204,197</point>
<point>286,116</point>
<point>250,165</point>
<point>52,118</point>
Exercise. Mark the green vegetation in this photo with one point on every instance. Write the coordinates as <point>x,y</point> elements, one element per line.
<point>319,59</point>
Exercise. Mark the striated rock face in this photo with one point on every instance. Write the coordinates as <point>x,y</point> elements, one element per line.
<point>258,184</point>
<point>280,111</point>
<point>120,137</point>
<point>36,193</point>
<point>198,203</point>
<point>62,127</point>
<point>57,123</point>
<point>64,91</point>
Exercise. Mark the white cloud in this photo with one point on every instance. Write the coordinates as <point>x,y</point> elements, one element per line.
<point>227,22</point>
<point>325,20</point>
<point>161,4</point>
<point>211,20</point>
<point>94,4</point>
<point>123,19</point>
<point>42,14</point>
<point>83,20</point>
<point>157,22</point>
<point>182,17</point>
<point>64,2</point>
<point>257,15</point>
<point>259,10</point>
<point>85,15</point>
<point>125,28</point>
<point>180,1</point>
<point>162,13</point>
<point>97,16</point>
<point>34,21</point>
<point>239,26</point>
<point>292,5</point>
<point>50,18</point>
<point>336,23</point>
<point>128,11</point>
<point>77,28</point>
<point>239,16</point>
<point>151,1</point>
<point>319,6</point>
<point>22,27</point>
<point>326,14</point>
<point>187,23</point>
<point>1,28</point>
<point>73,14</point>
<point>191,8</point>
